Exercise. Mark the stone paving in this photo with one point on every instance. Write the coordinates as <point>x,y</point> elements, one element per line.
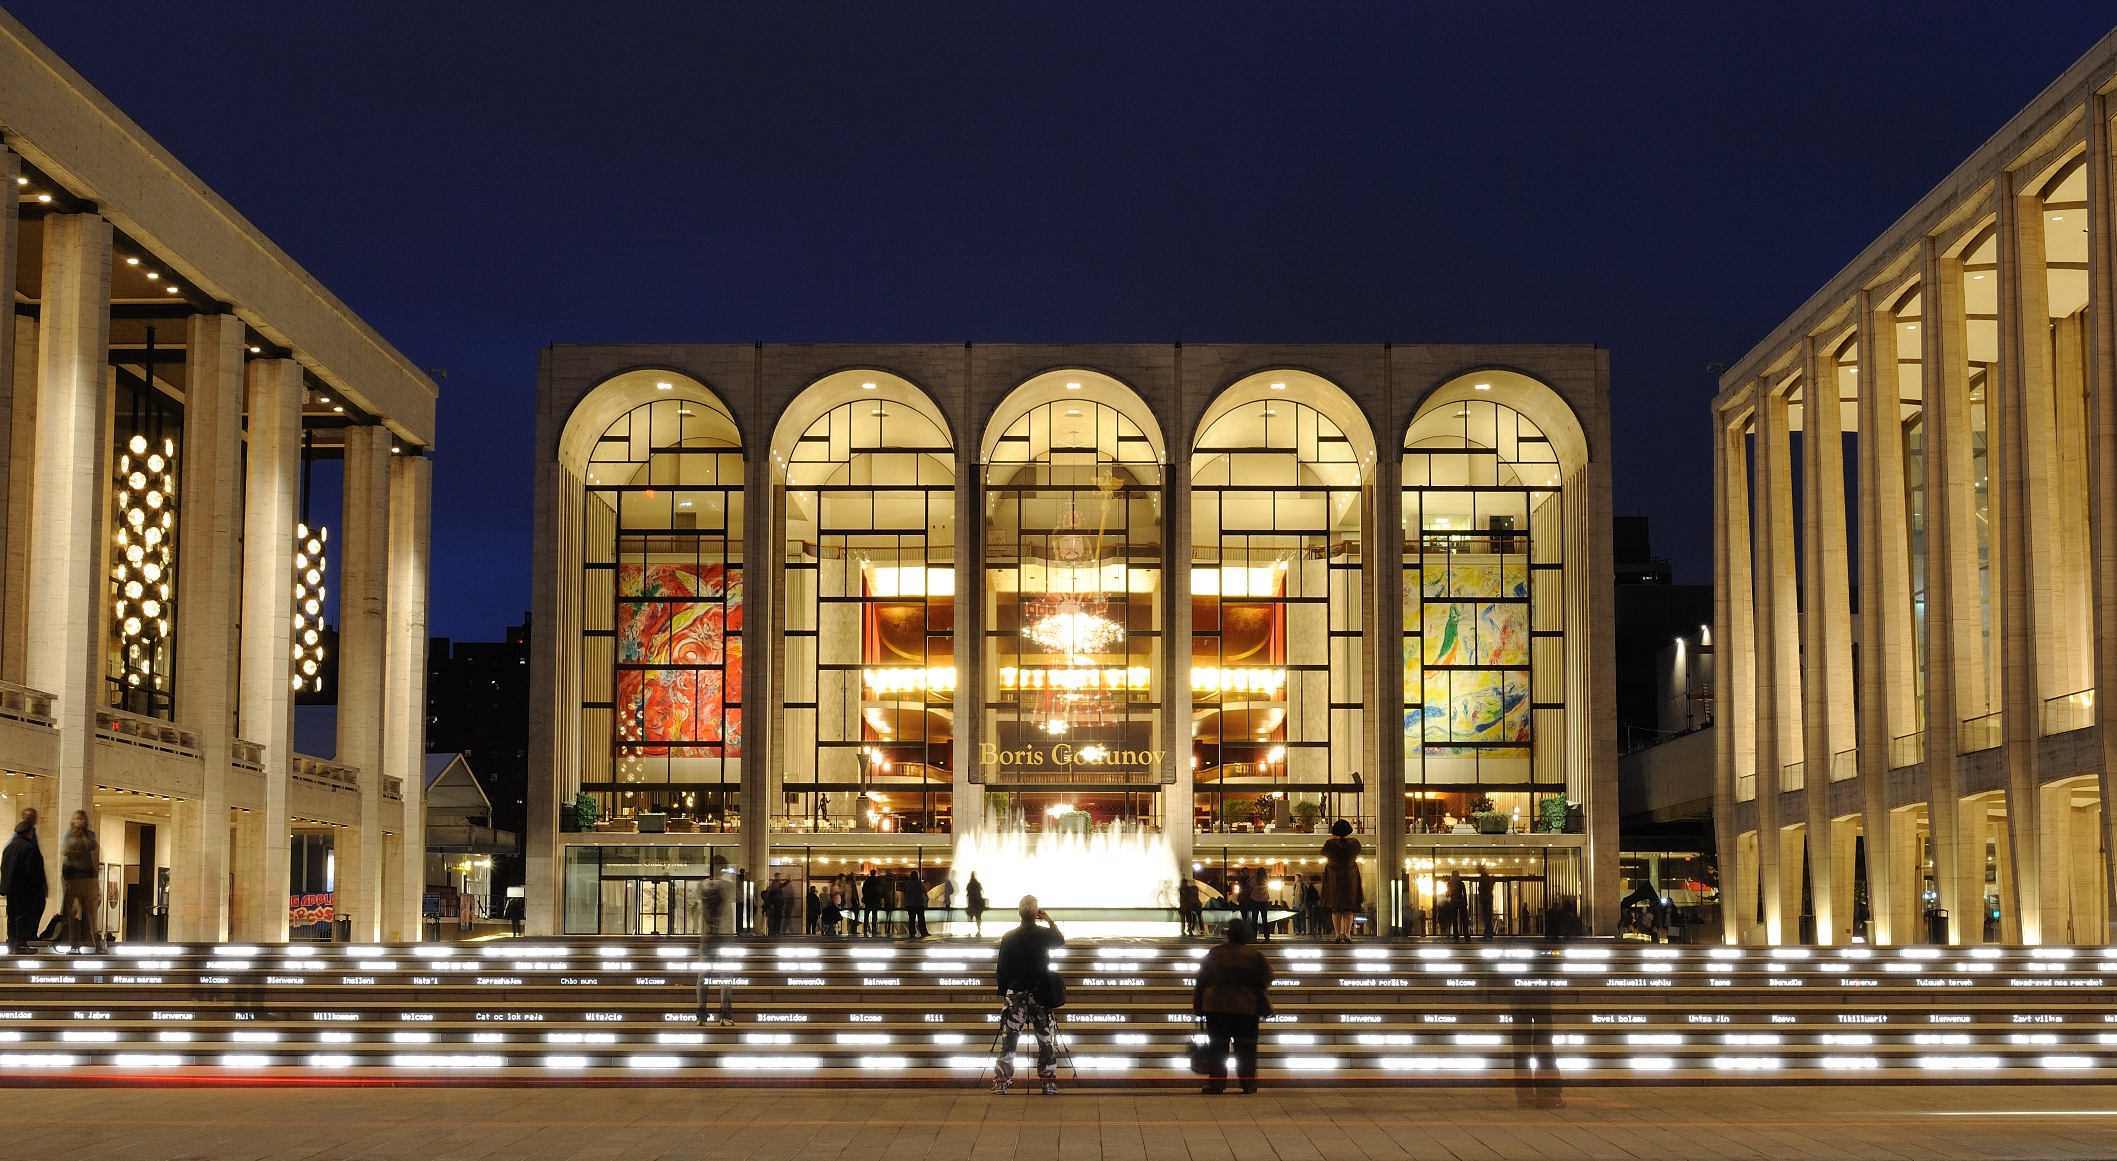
<point>324,1123</point>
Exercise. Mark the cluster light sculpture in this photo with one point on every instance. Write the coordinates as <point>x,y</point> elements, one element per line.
<point>146,559</point>
<point>308,607</point>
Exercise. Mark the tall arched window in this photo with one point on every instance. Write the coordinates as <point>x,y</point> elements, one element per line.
<point>1074,505</point>
<point>661,612</point>
<point>1484,612</point>
<point>870,610</point>
<point>1276,623</point>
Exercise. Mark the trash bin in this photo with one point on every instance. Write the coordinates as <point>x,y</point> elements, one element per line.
<point>1937,926</point>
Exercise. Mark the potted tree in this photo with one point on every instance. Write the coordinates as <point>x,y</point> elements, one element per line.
<point>1235,810</point>
<point>1306,815</point>
<point>584,810</point>
<point>1486,819</point>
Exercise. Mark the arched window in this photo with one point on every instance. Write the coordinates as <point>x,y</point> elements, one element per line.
<point>1276,620</point>
<point>1484,610</point>
<point>1074,511</point>
<point>870,672</point>
<point>661,611</point>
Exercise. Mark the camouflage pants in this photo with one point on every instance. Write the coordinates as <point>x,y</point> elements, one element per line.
<point>1023,1010</point>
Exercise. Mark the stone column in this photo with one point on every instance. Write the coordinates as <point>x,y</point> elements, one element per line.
<point>967,799</point>
<point>411,479</point>
<point>208,607</point>
<point>2101,342</point>
<point>1177,552</point>
<point>1888,706</point>
<point>2024,532</point>
<point>271,507</point>
<point>1778,651</point>
<point>363,635</point>
<point>1954,654</point>
<point>1733,617</point>
<point>69,550</point>
<point>1826,632</point>
<point>1382,584</point>
<point>762,554</point>
<point>17,414</point>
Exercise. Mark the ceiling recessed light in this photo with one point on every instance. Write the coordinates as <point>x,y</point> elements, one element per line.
<point>1073,386</point>
<point>338,409</point>
<point>665,386</point>
<point>1271,411</point>
<point>394,450</point>
<point>21,181</point>
<point>323,399</point>
<point>132,262</point>
<point>1484,386</point>
<point>170,289</point>
<point>257,350</point>
<point>43,197</point>
<point>1278,386</point>
<point>867,386</point>
<point>152,274</point>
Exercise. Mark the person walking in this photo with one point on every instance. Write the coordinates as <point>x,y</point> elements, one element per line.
<point>872,903</point>
<point>1341,879</point>
<point>1458,921</point>
<point>1189,909</point>
<point>1484,902</point>
<point>1233,993</point>
<point>815,911</point>
<point>1029,990</point>
<point>974,905</point>
<point>717,903</point>
<point>80,884</point>
<point>23,882</point>
<point>912,894</point>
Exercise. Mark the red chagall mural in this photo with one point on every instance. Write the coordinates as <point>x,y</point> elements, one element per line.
<point>681,626</point>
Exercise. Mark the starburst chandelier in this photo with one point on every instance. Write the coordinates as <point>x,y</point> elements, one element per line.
<point>1071,628</point>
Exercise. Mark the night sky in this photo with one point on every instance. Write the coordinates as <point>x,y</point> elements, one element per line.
<point>1668,181</point>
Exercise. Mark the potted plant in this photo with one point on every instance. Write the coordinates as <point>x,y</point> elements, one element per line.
<point>1234,810</point>
<point>1551,814</point>
<point>585,810</point>
<point>1485,818</point>
<point>1307,814</point>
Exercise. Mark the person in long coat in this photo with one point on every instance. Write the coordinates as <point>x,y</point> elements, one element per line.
<point>1341,880</point>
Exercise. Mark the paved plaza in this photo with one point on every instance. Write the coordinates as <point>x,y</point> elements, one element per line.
<point>442,1123</point>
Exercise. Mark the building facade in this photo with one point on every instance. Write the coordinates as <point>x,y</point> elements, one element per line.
<point>1097,590</point>
<point>160,596</point>
<point>1917,580</point>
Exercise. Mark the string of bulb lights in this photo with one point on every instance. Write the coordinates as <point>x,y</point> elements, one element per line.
<point>146,558</point>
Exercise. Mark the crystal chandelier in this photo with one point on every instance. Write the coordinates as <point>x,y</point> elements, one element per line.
<point>1074,622</point>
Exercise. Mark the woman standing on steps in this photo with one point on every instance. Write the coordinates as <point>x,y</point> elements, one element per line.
<point>1341,879</point>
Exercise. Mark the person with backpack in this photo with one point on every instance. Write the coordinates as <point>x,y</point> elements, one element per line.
<point>1031,991</point>
<point>1232,994</point>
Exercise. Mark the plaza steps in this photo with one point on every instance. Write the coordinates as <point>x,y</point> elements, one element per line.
<point>875,1012</point>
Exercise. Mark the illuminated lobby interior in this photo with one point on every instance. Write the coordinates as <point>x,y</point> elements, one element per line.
<point>806,712</point>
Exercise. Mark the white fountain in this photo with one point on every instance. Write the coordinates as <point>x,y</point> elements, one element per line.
<point>1111,868</point>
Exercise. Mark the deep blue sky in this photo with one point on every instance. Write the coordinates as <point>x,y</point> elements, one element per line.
<point>1668,181</point>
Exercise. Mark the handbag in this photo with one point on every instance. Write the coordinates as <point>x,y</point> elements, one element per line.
<point>1202,1052</point>
<point>1051,990</point>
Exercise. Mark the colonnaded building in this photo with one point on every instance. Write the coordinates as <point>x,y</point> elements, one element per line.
<point>165,374</point>
<point>1124,597</point>
<point>1916,487</point>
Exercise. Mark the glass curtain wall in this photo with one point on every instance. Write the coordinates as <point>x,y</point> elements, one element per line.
<point>870,620</point>
<point>1276,625</point>
<point>661,649</point>
<point>1484,619</point>
<point>1074,513</point>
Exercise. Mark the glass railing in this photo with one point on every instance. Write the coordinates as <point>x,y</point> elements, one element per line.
<point>1844,764</point>
<point>2073,711</point>
<point>1793,776</point>
<point>1746,787</point>
<point>1907,750</point>
<point>1974,734</point>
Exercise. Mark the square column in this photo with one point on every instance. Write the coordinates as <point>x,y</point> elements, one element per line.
<point>2101,342</point>
<point>1955,669</point>
<point>271,507</point>
<point>1888,696</point>
<point>69,551</point>
<point>1382,584</point>
<point>966,809</point>
<point>18,410</point>
<point>363,635</point>
<point>1778,652</point>
<point>208,606</point>
<point>1734,622</point>
<point>1826,632</point>
<point>1179,792</point>
<point>762,566</point>
<point>404,714</point>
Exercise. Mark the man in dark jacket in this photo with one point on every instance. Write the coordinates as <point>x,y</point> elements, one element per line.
<point>912,892</point>
<point>23,882</point>
<point>872,902</point>
<point>1233,993</point>
<point>1022,975</point>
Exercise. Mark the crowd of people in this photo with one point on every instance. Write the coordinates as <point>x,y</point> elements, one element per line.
<point>875,905</point>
